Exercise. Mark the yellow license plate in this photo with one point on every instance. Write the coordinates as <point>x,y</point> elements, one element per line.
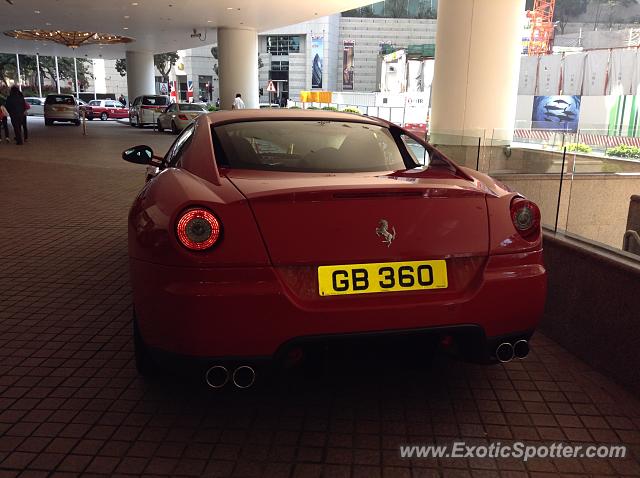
<point>382,277</point>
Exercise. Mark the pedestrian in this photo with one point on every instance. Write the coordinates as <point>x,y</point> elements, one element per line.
<point>122,100</point>
<point>4,120</point>
<point>25,131</point>
<point>15,107</point>
<point>238,104</point>
<point>218,103</point>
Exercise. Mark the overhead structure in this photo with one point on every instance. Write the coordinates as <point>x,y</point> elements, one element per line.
<point>71,39</point>
<point>542,27</point>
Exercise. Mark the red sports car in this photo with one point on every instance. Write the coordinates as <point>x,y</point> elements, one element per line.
<point>264,230</point>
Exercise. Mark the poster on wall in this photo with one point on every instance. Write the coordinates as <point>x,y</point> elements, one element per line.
<point>317,49</point>
<point>347,65</point>
<point>558,112</point>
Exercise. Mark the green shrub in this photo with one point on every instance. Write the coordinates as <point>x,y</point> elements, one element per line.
<point>313,108</point>
<point>624,151</point>
<point>330,108</point>
<point>579,148</point>
<point>294,107</point>
<point>212,108</point>
<point>351,110</point>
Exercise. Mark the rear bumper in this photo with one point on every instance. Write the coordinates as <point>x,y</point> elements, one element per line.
<point>59,116</point>
<point>250,312</point>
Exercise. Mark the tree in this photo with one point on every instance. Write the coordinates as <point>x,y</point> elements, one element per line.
<point>29,70</point>
<point>162,61</point>
<point>611,6</point>
<point>396,8</point>
<point>567,10</point>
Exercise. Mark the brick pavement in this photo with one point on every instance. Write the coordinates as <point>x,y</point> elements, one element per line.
<point>72,404</point>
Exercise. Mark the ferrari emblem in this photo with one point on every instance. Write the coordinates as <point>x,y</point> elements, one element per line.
<point>383,231</point>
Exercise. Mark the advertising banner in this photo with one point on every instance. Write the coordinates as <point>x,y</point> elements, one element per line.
<point>347,65</point>
<point>558,112</point>
<point>573,73</point>
<point>317,50</point>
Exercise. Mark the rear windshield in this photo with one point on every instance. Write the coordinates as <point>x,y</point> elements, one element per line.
<point>308,146</point>
<point>60,100</point>
<point>155,100</point>
<point>191,107</point>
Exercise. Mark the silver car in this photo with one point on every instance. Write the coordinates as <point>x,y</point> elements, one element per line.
<point>61,108</point>
<point>36,106</point>
<point>178,115</point>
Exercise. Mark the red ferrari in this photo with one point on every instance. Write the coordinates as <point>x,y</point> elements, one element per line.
<point>261,231</point>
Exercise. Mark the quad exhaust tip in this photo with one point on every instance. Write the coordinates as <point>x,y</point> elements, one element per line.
<point>217,376</point>
<point>521,349</point>
<point>505,352</point>
<point>244,376</point>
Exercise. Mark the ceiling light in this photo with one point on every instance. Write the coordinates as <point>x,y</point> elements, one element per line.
<point>48,24</point>
<point>126,17</point>
<point>135,4</point>
<point>209,21</point>
<point>125,28</point>
<point>229,8</point>
<point>36,11</point>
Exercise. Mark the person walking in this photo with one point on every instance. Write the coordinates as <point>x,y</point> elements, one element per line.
<point>238,104</point>
<point>15,107</point>
<point>122,100</point>
<point>25,131</point>
<point>4,120</point>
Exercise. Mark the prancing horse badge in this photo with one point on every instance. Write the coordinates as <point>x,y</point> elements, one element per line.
<point>383,231</point>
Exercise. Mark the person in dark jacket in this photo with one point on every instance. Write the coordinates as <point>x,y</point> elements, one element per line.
<point>15,106</point>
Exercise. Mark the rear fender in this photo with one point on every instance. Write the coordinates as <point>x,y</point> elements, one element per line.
<point>503,236</point>
<point>156,210</point>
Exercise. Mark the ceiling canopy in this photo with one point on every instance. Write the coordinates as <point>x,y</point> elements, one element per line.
<point>150,25</point>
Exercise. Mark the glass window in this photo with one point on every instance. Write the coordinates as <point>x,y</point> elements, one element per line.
<point>155,100</point>
<point>280,66</point>
<point>308,146</point>
<point>418,152</point>
<point>179,146</point>
<point>283,44</point>
<point>60,100</point>
<point>191,107</point>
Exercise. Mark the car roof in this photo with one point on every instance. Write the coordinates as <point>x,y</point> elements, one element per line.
<point>266,114</point>
<point>61,94</point>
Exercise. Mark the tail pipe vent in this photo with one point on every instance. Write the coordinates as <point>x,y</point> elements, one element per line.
<point>506,352</point>
<point>217,376</point>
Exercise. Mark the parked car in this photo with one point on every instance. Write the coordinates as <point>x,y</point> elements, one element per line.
<point>178,115</point>
<point>36,106</point>
<point>61,107</point>
<point>264,231</point>
<point>145,109</point>
<point>105,109</point>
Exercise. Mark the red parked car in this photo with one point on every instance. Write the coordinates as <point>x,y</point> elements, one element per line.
<point>105,109</point>
<point>261,231</point>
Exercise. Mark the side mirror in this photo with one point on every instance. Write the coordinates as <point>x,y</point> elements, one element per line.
<point>139,155</point>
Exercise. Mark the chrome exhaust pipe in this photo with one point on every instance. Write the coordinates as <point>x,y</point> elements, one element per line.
<point>244,376</point>
<point>521,349</point>
<point>504,352</point>
<point>217,376</point>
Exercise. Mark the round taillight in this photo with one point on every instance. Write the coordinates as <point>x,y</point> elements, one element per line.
<point>526,217</point>
<point>198,229</point>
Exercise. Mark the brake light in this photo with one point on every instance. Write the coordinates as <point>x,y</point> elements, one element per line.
<point>198,229</point>
<point>183,117</point>
<point>526,218</point>
<point>146,107</point>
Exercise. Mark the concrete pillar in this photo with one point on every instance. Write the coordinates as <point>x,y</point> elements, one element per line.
<point>475,83</point>
<point>140,74</point>
<point>238,66</point>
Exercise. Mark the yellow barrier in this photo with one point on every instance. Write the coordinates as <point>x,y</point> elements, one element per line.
<point>315,96</point>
